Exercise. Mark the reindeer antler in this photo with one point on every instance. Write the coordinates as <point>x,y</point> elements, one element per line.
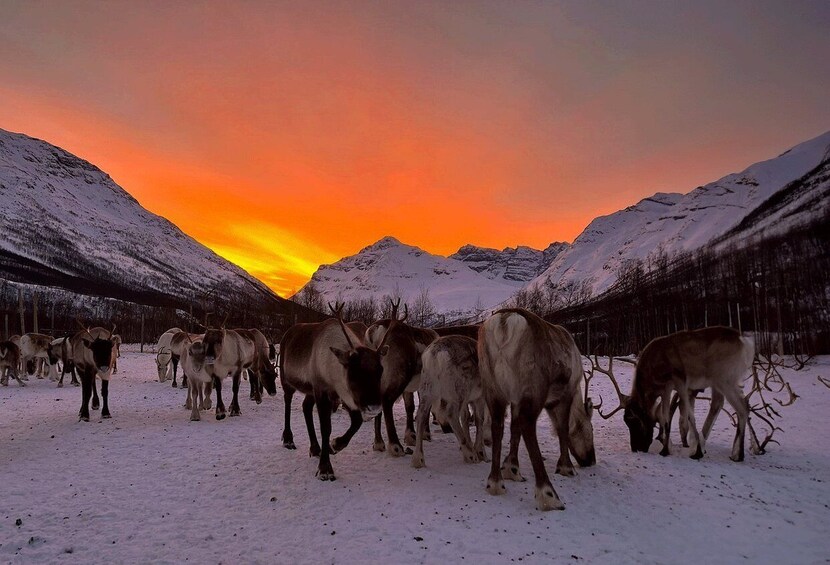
<point>397,304</point>
<point>609,372</point>
<point>228,315</point>
<point>337,310</point>
<point>112,331</point>
<point>393,321</point>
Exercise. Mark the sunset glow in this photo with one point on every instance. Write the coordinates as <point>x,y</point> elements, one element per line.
<point>283,136</point>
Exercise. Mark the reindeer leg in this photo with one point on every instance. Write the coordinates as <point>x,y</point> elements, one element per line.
<point>308,413</point>
<point>287,434</point>
<point>546,497</point>
<point>175,366</point>
<point>422,425</point>
<point>714,409</point>
<point>340,443</point>
<point>188,403</point>
<point>208,387</point>
<point>735,397</point>
<point>220,406</point>
<point>495,483</point>
<point>325,472</point>
<point>86,392</point>
<point>395,447</point>
<point>95,402</point>
<point>462,433</point>
<point>664,419</point>
<point>74,373</point>
<point>193,390</point>
<point>378,445</point>
<point>105,409</point>
<point>237,379</point>
<point>479,409</point>
<point>409,405</point>
<point>687,408</point>
<point>510,466</point>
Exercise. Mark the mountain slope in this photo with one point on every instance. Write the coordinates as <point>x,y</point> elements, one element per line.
<point>66,223</point>
<point>681,222</point>
<point>513,265</point>
<point>389,267</point>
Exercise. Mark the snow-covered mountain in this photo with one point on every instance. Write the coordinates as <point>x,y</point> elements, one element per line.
<point>65,223</point>
<point>514,265</point>
<point>770,195</point>
<point>389,268</point>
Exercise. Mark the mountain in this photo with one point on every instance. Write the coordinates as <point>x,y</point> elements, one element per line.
<point>770,196</point>
<point>66,224</point>
<point>391,268</point>
<point>513,265</point>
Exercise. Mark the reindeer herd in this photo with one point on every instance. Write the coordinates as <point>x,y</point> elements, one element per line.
<point>463,375</point>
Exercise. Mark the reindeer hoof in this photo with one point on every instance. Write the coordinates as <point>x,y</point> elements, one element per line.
<point>175,385</point>
<point>195,417</point>
<point>546,499</point>
<point>338,445</point>
<point>418,460</point>
<point>428,436</point>
<point>396,450</point>
<point>60,385</point>
<point>326,474</point>
<point>482,456</point>
<point>289,445</point>
<point>83,418</point>
<point>409,438</point>
<point>314,451</point>
<point>665,452</point>
<point>495,487</point>
<point>565,470</point>
<point>208,404</point>
<point>76,384</point>
<point>379,446</point>
<point>511,473</point>
<point>470,457</point>
<point>106,415</point>
<point>220,415</point>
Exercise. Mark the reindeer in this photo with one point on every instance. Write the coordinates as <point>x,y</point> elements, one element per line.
<point>116,339</point>
<point>401,369</point>
<point>9,363</point>
<point>34,348</point>
<point>199,378</point>
<point>532,365</point>
<point>327,362</point>
<point>261,365</point>
<point>164,354</point>
<point>93,353</point>
<point>450,382</point>
<point>62,348</point>
<point>178,343</point>
<point>227,353</point>
<point>715,357</point>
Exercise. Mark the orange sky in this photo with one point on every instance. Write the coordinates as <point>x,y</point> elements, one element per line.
<point>288,135</point>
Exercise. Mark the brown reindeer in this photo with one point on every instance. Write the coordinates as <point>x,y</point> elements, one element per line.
<point>531,366</point>
<point>401,369</point>
<point>9,363</point>
<point>93,353</point>
<point>684,362</point>
<point>327,362</point>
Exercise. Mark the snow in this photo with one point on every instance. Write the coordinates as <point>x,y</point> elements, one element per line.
<point>151,486</point>
<point>682,222</point>
<point>67,214</point>
<point>389,268</point>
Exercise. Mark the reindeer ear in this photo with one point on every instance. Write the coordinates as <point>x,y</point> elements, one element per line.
<point>342,356</point>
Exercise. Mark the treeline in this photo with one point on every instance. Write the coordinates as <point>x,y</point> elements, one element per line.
<point>777,287</point>
<point>58,312</point>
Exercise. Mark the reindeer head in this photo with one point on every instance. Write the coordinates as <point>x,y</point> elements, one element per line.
<point>363,370</point>
<point>640,424</point>
<point>213,341</point>
<point>163,362</point>
<point>581,432</point>
<point>103,355</point>
<point>196,354</point>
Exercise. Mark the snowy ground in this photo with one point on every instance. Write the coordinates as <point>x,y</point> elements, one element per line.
<point>151,486</point>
